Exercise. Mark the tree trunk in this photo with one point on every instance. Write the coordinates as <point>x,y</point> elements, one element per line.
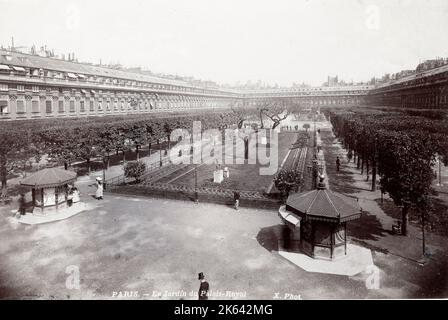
<point>374,174</point>
<point>149,148</point>
<point>423,233</point>
<point>367,170</point>
<point>88,166</point>
<point>362,165</point>
<point>105,161</point>
<point>3,175</point>
<point>404,220</point>
<point>358,163</point>
<point>246,149</point>
<point>65,165</point>
<point>137,152</point>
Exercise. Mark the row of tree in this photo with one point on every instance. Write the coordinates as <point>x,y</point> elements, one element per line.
<point>69,140</point>
<point>401,149</point>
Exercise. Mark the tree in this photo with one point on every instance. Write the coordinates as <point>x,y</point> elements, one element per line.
<point>240,115</point>
<point>288,180</point>
<point>107,137</point>
<point>85,147</point>
<point>405,171</point>
<point>275,110</point>
<point>136,133</point>
<point>60,144</point>
<point>134,169</point>
<point>306,126</point>
<point>10,152</point>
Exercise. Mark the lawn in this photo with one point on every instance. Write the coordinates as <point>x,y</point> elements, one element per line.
<point>242,176</point>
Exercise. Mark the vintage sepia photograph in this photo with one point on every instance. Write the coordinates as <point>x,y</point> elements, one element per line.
<point>223,150</point>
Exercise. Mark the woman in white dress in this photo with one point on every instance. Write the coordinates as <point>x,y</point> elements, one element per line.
<point>99,190</point>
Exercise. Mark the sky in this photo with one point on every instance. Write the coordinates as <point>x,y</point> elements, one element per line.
<point>230,41</point>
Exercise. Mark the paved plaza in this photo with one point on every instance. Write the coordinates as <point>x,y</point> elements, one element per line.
<point>152,245</point>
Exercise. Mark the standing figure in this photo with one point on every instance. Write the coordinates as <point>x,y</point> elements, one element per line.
<point>75,196</point>
<point>70,196</point>
<point>338,164</point>
<point>22,204</point>
<point>99,190</point>
<point>203,288</point>
<point>236,198</point>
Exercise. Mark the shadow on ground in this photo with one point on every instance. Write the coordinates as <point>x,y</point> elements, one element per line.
<point>368,227</point>
<point>271,237</point>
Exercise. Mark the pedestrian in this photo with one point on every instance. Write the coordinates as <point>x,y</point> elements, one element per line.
<point>338,164</point>
<point>75,195</point>
<point>70,197</point>
<point>22,204</point>
<point>99,189</point>
<point>203,287</point>
<point>236,198</point>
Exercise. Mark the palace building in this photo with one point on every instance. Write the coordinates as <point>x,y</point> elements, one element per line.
<point>32,86</point>
<point>36,87</point>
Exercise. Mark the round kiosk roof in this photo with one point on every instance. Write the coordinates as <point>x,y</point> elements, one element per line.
<point>50,177</point>
<point>324,205</point>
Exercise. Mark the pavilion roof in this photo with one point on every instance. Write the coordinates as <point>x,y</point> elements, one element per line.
<point>50,177</point>
<point>325,205</point>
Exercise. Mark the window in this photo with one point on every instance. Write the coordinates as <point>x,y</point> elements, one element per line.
<point>92,106</point>
<point>20,106</point>
<point>115,106</point>
<point>3,107</point>
<point>100,107</point>
<point>35,88</point>
<point>20,87</point>
<point>122,105</point>
<point>61,107</point>
<point>3,87</point>
<point>72,106</point>
<point>82,107</point>
<point>108,106</point>
<point>35,106</point>
<point>48,106</point>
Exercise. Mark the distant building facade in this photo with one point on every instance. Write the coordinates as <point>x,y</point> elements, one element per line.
<point>34,86</point>
<point>426,89</point>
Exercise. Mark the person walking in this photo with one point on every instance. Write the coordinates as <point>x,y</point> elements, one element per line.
<point>203,287</point>
<point>99,190</point>
<point>236,198</point>
<point>338,164</point>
